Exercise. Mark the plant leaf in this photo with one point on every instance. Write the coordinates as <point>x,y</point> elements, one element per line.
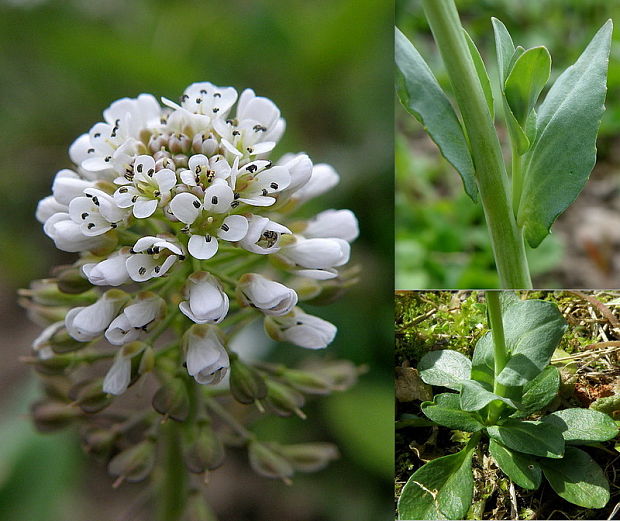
<point>482,364</point>
<point>421,95</point>
<point>504,48</point>
<point>526,80</point>
<point>475,397</point>
<point>441,489</point>
<point>539,392</point>
<point>561,158</point>
<point>532,329</point>
<point>481,70</point>
<point>445,367</point>
<point>578,479</point>
<point>535,438</point>
<point>520,468</point>
<point>582,425</point>
<point>446,411</point>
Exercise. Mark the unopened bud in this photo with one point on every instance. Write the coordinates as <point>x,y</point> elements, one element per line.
<point>205,451</point>
<point>179,143</point>
<point>89,395</point>
<point>341,374</point>
<point>134,463</point>
<point>306,381</point>
<point>52,366</point>
<point>284,401</point>
<point>49,416</point>
<point>98,441</point>
<point>246,383</point>
<point>157,142</point>
<point>147,361</point>
<point>61,342</point>
<point>71,280</point>
<point>202,144</point>
<point>309,457</point>
<point>172,400</point>
<point>43,315</point>
<point>266,460</point>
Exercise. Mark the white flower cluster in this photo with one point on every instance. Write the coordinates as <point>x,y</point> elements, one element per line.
<point>185,191</point>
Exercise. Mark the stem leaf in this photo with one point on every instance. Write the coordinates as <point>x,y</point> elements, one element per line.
<point>446,410</point>
<point>420,94</point>
<point>563,154</point>
<point>475,397</point>
<point>539,392</point>
<point>445,367</point>
<point>535,438</point>
<point>520,468</point>
<point>582,425</point>
<point>481,70</point>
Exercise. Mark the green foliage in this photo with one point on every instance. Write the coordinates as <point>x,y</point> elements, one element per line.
<point>523,449</point>
<point>421,95</point>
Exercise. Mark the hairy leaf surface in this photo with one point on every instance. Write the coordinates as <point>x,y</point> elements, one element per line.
<point>539,392</point>
<point>422,96</point>
<point>445,367</point>
<point>446,410</point>
<point>582,425</point>
<point>475,397</point>
<point>520,468</point>
<point>535,438</point>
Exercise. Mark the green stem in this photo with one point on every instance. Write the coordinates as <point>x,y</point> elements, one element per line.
<point>228,418</point>
<point>491,176</point>
<point>173,490</point>
<point>500,352</point>
<point>517,180</point>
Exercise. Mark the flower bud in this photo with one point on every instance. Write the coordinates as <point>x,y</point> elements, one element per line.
<point>284,401</point>
<point>49,416</point>
<point>133,464</point>
<point>300,329</point>
<point>109,272</point>
<point>202,144</point>
<point>87,323</point>
<point>206,357</point>
<point>98,441</point>
<point>341,374</point>
<point>337,224</point>
<point>147,361</point>
<point>118,377</point>
<point>61,342</point>
<point>157,142</point>
<point>136,319</point>
<point>309,457</point>
<point>268,462</point>
<point>205,301</point>
<point>70,280</point>
<point>246,383</point>
<point>306,381</point>
<point>89,395</point>
<point>172,400</point>
<point>47,293</point>
<point>204,451</point>
<point>41,314</point>
<point>318,257</point>
<point>272,298</point>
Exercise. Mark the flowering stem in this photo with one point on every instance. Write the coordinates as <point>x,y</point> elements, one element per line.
<point>173,490</point>
<point>500,352</point>
<point>491,177</point>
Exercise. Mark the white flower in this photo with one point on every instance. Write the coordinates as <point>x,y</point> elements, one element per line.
<point>206,228</point>
<point>205,98</point>
<point>87,323</point>
<point>255,182</point>
<point>206,358</point>
<point>324,177</point>
<point>118,377</point>
<point>299,167</point>
<point>68,185</point>
<point>338,224</point>
<point>301,329</point>
<point>203,170</point>
<point>205,301</point>
<point>148,189</point>
<point>136,319</point>
<point>49,206</point>
<point>41,344</point>
<point>152,257</point>
<point>271,297</point>
<point>263,235</point>
<point>67,234</point>
<point>96,212</point>
<point>109,272</point>
<point>317,257</point>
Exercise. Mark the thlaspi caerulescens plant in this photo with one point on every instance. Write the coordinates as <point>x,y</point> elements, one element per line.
<point>507,381</point>
<point>553,144</point>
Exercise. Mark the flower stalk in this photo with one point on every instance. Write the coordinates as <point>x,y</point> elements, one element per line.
<point>500,353</point>
<point>492,179</point>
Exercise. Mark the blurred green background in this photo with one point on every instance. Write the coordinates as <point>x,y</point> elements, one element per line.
<point>328,65</point>
<point>441,237</point>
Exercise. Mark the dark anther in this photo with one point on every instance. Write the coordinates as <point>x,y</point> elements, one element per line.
<point>134,198</point>
<point>198,100</point>
<point>88,195</point>
<point>149,251</point>
<point>264,191</point>
<point>117,122</point>
<point>113,134</point>
<point>84,215</point>
<point>236,195</point>
<point>215,110</point>
<point>250,150</point>
<point>184,97</point>
<point>181,257</point>
<point>214,199</point>
<point>196,204</point>
<point>123,190</point>
<point>139,167</point>
<point>298,323</point>
<point>157,269</point>
<point>236,133</point>
<point>156,250</point>
<point>274,186</point>
<point>113,225</point>
<point>132,251</point>
<point>107,159</point>
<point>203,91</point>
<point>217,95</point>
<point>225,227</point>
<point>142,270</point>
<point>91,226</point>
<point>95,201</point>
<point>259,128</point>
<point>229,121</point>
<point>156,193</point>
<point>90,150</point>
<point>208,238</point>
<point>97,134</point>
<point>251,168</point>
<point>234,204</point>
<point>150,172</point>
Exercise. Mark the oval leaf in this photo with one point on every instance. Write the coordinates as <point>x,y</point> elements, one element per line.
<point>475,397</point>
<point>504,48</point>
<point>446,411</point>
<point>539,392</point>
<point>520,468</point>
<point>526,80</point>
<point>534,438</point>
<point>582,425</point>
<point>441,489</point>
<point>446,368</point>
<point>421,95</point>
<point>561,158</point>
<point>578,479</point>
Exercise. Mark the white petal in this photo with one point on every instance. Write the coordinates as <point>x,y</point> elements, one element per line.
<point>141,267</point>
<point>144,166</point>
<point>340,224</point>
<point>197,160</point>
<point>144,208</point>
<point>48,207</point>
<point>124,196</point>
<point>144,311</point>
<point>218,198</point>
<point>110,272</point>
<point>318,253</point>
<point>121,331</point>
<point>144,243</point>
<point>234,228</point>
<point>80,149</point>
<point>165,179</point>
<point>261,148</point>
<point>68,185</point>
<point>202,247</point>
<point>118,377</point>
<point>186,207</point>
<point>323,179</point>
